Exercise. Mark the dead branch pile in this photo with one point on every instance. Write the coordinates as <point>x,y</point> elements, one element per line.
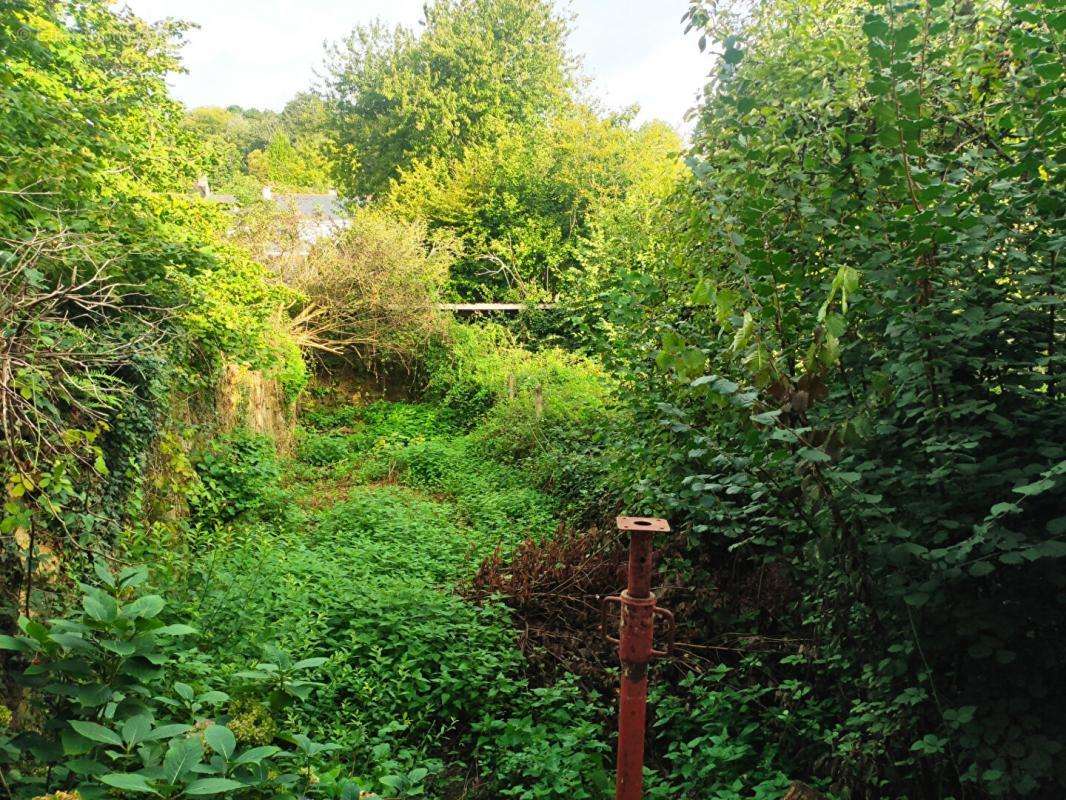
<point>371,290</point>
<point>554,588</point>
<point>64,347</point>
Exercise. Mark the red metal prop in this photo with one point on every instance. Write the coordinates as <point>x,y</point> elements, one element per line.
<point>637,613</point>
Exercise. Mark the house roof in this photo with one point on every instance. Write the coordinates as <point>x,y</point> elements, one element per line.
<point>312,205</point>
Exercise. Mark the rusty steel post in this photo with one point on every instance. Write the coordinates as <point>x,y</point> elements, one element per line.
<point>637,612</point>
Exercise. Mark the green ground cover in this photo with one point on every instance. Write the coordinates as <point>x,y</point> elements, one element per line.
<point>422,691</point>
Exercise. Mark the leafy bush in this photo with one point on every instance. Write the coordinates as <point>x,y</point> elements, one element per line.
<point>521,201</point>
<point>552,745</point>
<point>320,449</point>
<point>843,352</point>
<point>516,395</point>
<point>549,412</point>
<point>718,735</point>
<point>285,164</point>
<point>113,714</point>
<point>368,291</point>
<point>238,474</point>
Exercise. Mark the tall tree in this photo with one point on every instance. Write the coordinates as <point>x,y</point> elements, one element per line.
<point>521,203</point>
<point>478,66</point>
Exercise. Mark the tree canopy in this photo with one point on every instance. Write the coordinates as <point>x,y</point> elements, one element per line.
<point>477,67</point>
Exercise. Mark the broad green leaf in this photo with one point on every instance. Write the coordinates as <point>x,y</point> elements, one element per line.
<point>916,599</point>
<point>725,301</point>
<point>1037,487</point>
<point>177,629</point>
<point>119,647</point>
<point>811,454</point>
<point>703,294</point>
<point>181,757</point>
<point>835,325</point>
<point>875,26</point>
<point>71,641</point>
<point>724,386</point>
<point>999,509</point>
<point>147,607</point>
<point>257,754</point>
<point>128,782</point>
<point>221,739</point>
<point>18,644</point>
<point>96,732</point>
<point>34,629</point>
<point>212,786</point>
<point>767,417</point>
<point>100,607</point>
<point>166,732</point>
<point>132,577</point>
<point>103,573</point>
<point>981,568</point>
<point>135,729</point>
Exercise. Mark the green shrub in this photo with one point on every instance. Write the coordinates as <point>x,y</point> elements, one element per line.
<point>321,449</point>
<point>843,350</point>
<point>115,714</point>
<point>719,733</point>
<point>478,369</point>
<point>238,475</point>
<point>549,411</point>
<point>402,422</point>
<point>331,418</point>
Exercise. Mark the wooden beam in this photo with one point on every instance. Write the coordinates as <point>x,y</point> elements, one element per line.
<point>492,307</point>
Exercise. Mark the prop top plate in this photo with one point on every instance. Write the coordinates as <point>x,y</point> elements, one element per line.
<point>653,524</point>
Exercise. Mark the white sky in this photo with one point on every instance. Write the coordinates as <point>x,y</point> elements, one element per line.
<point>261,52</point>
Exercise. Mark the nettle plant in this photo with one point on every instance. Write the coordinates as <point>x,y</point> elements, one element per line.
<point>283,679</point>
<point>116,718</point>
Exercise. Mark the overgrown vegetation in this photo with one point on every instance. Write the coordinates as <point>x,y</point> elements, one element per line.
<point>854,393</point>
<point>368,292</point>
<point>420,690</point>
<point>827,345</point>
<point>122,301</point>
<point>120,296</point>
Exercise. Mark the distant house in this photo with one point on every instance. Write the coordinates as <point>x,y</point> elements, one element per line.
<point>203,189</point>
<point>320,214</point>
